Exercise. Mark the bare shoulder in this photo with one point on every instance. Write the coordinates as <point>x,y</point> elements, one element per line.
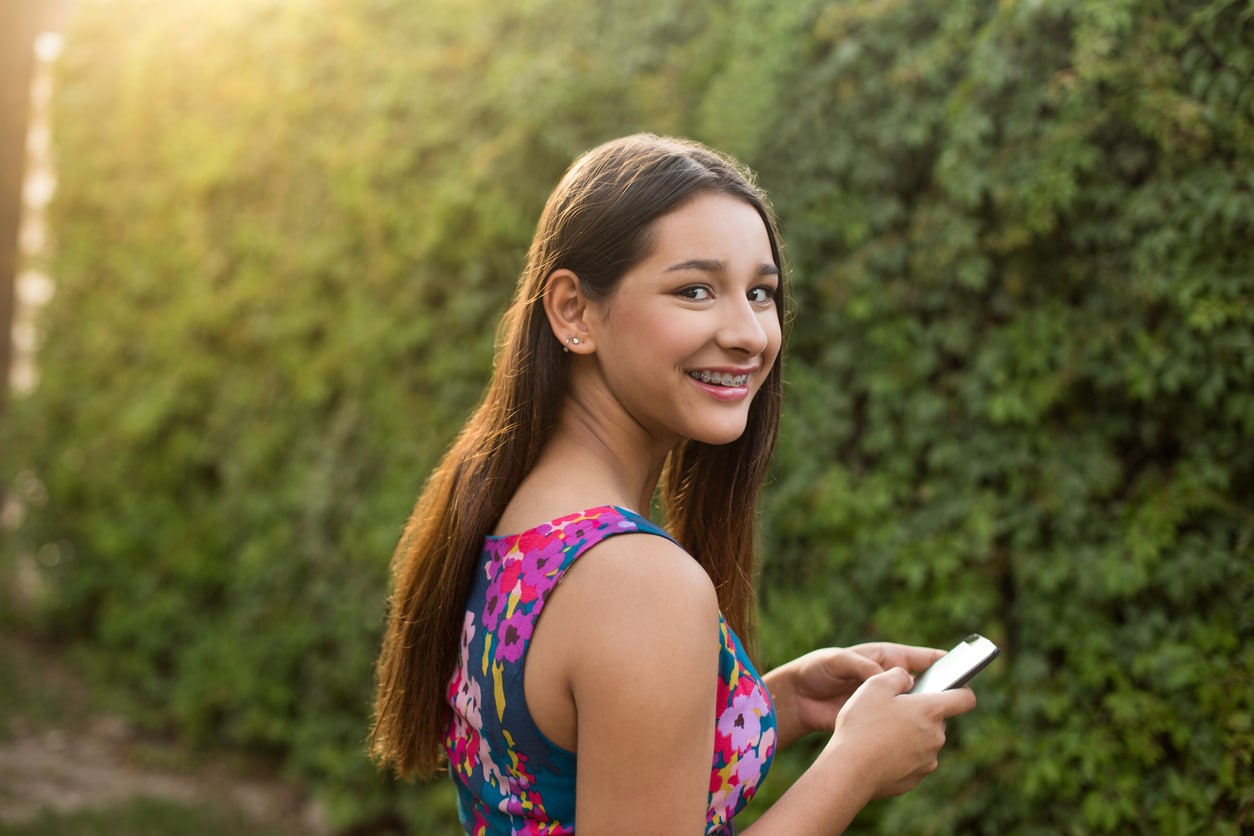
<point>642,577</point>
<point>629,593</point>
<point>643,677</point>
<point>642,610</point>
<point>634,608</point>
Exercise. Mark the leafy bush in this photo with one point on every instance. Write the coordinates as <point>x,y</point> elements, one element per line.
<point>1021,376</point>
<point>1023,392</point>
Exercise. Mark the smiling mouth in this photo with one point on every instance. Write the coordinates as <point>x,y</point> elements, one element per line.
<point>716,379</point>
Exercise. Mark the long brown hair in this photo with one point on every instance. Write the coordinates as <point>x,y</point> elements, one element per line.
<point>596,223</point>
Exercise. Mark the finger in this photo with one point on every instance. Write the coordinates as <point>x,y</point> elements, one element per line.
<point>896,680</point>
<point>889,654</point>
<point>955,701</point>
<point>916,658</point>
<point>850,663</point>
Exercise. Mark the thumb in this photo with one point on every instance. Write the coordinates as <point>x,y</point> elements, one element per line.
<point>895,680</point>
<point>863,666</point>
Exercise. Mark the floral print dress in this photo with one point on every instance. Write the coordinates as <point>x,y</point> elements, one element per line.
<point>510,778</point>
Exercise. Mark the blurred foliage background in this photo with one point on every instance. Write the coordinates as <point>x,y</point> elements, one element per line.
<point>1021,372</point>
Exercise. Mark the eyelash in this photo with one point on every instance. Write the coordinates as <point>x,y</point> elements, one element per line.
<point>691,290</point>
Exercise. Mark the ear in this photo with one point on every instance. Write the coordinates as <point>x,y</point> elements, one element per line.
<point>567,310</point>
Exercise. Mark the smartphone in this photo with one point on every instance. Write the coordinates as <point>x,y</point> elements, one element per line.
<point>955,668</point>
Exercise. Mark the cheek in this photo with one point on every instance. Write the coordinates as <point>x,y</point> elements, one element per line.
<point>666,337</point>
<point>774,337</point>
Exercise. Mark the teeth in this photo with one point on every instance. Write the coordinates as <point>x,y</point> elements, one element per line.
<point>726,379</point>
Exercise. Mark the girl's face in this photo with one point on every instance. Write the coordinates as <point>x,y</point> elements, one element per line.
<point>691,332</point>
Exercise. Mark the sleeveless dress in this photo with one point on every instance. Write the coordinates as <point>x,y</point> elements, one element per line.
<point>510,778</point>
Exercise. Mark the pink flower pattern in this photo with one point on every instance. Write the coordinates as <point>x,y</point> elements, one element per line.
<point>744,734</point>
<point>511,779</point>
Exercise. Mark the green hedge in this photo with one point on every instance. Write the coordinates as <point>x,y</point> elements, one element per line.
<point>1021,377</point>
<point>1023,392</point>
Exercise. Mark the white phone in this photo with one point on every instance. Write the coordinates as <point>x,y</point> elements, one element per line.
<point>955,668</point>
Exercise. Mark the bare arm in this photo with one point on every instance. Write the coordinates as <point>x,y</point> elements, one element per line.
<point>643,645</point>
<point>884,743</point>
<point>637,627</point>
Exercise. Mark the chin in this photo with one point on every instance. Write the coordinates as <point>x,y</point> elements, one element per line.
<point>716,438</point>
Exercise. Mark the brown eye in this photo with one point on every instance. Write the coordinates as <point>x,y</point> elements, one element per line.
<point>696,292</point>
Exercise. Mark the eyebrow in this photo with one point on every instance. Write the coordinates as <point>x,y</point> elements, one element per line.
<point>714,265</point>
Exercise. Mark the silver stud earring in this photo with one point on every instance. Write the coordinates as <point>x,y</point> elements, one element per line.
<point>575,340</point>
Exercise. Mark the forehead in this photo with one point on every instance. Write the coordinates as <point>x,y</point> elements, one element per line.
<point>712,225</point>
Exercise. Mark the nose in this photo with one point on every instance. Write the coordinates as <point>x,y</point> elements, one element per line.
<point>745,328</point>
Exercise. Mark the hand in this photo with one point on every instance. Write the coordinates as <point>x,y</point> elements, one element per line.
<point>893,736</point>
<point>821,681</point>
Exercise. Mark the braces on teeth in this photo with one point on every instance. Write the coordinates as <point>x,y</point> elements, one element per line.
<point>722,380</point>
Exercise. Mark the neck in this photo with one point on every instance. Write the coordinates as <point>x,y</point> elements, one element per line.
<point>589,461</point>
<point>614,457</point>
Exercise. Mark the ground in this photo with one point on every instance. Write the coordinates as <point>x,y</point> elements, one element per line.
<point>59,757</point>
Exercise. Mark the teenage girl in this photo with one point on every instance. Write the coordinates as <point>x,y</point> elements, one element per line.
<point>574,664</point>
